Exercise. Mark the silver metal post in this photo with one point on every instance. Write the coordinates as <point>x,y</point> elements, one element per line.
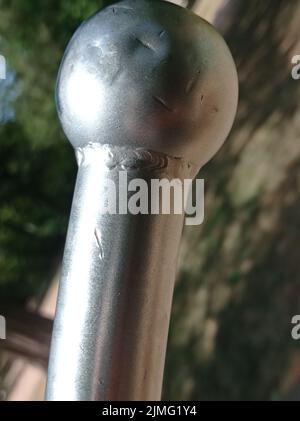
<point>148,90</point>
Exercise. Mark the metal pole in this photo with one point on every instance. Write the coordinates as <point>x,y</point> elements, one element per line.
<point>148,90</point>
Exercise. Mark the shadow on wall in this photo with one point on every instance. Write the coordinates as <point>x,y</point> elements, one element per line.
<point>239,283</point>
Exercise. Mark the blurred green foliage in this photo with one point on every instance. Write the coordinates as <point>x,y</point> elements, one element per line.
<point>37,167</point>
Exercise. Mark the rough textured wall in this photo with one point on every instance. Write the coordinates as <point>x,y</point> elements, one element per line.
<point>239,281</point>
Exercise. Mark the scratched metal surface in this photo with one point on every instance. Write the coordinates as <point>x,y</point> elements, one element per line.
<point>115,295</point>
<point>148,74</point>
<point>149,88</point>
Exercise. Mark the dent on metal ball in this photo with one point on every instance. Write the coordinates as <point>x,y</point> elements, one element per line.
<point>148,74</point>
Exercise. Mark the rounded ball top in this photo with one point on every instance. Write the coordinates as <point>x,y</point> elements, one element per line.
<point>148,74</point>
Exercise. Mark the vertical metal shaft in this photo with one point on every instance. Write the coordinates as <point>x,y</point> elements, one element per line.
<point>146,90</point>
<point>116,290</point>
